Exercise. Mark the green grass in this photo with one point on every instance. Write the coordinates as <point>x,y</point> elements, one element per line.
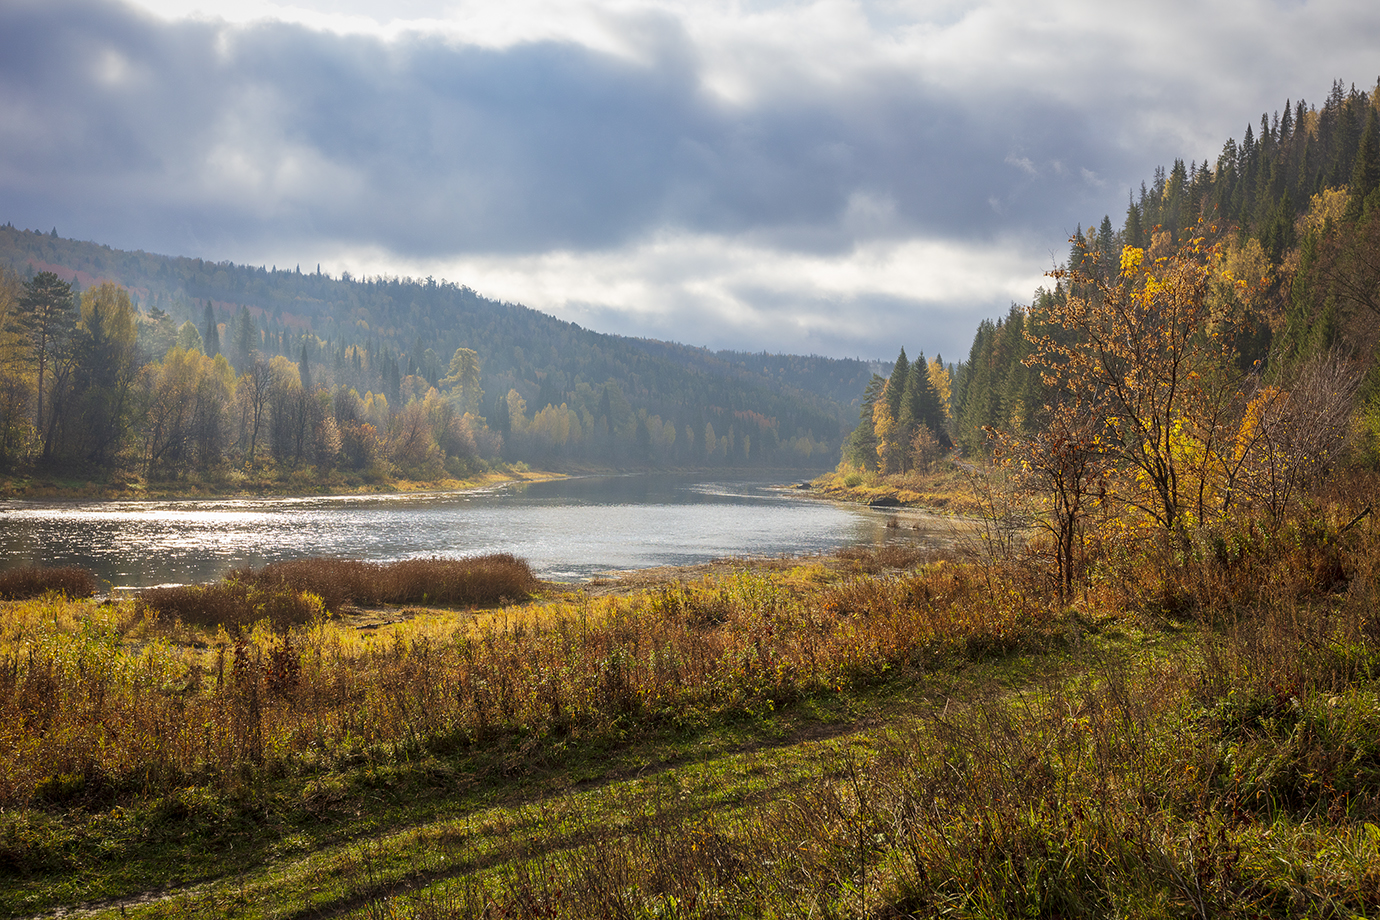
<point>354,836</point>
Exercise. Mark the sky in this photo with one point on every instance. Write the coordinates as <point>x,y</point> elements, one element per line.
<point>836,177</point>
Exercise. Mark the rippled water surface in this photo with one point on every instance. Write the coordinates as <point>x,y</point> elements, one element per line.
<point>567,529</point>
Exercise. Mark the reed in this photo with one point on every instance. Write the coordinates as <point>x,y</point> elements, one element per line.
<point>474,581</point>
<point>233,604</point>
<point>34,581</point>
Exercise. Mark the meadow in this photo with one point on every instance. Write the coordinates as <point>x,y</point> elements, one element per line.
<point>882,733</point>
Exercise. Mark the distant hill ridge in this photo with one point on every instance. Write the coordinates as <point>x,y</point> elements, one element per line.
<point>373,334</point>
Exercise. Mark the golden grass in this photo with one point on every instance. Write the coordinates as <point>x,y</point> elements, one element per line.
<point>478,580</point>
<point>947,488</point>
<point>95,693</point>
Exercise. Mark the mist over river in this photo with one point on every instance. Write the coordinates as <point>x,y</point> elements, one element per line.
<point>569,530</point>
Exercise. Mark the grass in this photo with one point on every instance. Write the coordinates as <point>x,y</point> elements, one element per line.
<point>479,580</point>
<point>947,488</point>
<point>302,591</point>
<point>34,581</point>
<point>866,736</point>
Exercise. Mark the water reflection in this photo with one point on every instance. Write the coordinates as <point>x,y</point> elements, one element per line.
<point>568,529</point>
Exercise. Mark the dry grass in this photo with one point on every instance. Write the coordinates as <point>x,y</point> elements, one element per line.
<point>233,604</point>
<point>119,712</point>
<point>481,580</point>
<point>298,592</point>
<point>33,581</point>
<point>1214,751</point>
<point>947,488</point>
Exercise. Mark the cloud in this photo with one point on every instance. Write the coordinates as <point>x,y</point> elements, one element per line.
<point>739,292</point>
<point>644,163</point>
<point>427,147</point>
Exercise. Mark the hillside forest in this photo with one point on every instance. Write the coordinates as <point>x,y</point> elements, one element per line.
<point>121,365</point>
<point>1213,356</point>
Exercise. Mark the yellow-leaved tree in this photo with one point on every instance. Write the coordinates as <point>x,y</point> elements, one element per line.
<point>1143,354</point>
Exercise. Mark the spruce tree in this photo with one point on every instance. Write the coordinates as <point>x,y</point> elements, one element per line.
<point>244,340</point>
<point>920,406</point>
<point>896,384</point>
<point>211,338</point>
<point>306,371</point>
<point>1365,170</point>
<point>861,447</point>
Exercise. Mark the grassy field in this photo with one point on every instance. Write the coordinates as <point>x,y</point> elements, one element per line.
<point>878,734</point>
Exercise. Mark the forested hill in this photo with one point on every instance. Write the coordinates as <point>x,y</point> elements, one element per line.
<point>1291,212</point>
<point>553,390</point>
<point>1281,232</point>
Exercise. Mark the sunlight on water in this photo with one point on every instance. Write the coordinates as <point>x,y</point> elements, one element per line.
<point>568,529</point>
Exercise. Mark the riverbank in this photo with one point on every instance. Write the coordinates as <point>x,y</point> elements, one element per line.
<point>858,735</point>
<point>946,489</point>
<point>249,484</point>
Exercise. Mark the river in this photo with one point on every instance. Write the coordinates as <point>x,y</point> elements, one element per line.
<point>568,529</point>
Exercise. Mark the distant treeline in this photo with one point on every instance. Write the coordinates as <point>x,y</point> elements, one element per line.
<point>304,369</point>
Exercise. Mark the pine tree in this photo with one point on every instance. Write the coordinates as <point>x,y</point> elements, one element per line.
<point>46,319</point>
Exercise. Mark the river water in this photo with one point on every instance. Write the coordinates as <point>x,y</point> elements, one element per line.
<point>569,530</point>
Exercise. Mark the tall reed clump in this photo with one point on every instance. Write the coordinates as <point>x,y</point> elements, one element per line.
<point>295,592</point>
<point>35,581</point>
<point>233,604</point>
<point>474,581</point>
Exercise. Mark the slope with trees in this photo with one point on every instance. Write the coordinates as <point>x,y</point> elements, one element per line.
<point>1209,366</point>
<point>183,366</point>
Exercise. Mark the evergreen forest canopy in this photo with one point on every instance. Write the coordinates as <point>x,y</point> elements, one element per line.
<point>1215,355</point>
<point>117,362</point>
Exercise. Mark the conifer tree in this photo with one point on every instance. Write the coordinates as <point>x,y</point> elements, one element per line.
<point>211,338</point>
<point>244,340</point>
<point>920,404</point>
<point>861,449</point>
<point>305,371</point>
<point>896,384</point>
<point>1365,171</point>
<point>46,319</point>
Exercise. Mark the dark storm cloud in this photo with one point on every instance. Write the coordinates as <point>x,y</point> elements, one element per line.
<point>193,137</point>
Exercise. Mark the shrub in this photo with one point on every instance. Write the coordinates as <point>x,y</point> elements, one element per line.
<point>32,581</point>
